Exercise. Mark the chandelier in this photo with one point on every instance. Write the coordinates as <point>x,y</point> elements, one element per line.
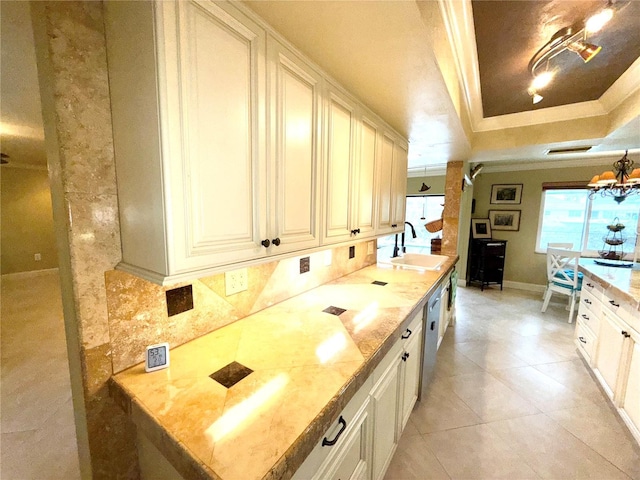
<point>620,184</point>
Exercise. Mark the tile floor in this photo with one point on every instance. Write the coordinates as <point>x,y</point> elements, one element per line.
<point>511,399</point>
<point>38,435</point>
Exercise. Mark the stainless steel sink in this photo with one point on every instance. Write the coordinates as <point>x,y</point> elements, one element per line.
<point>419,261</point>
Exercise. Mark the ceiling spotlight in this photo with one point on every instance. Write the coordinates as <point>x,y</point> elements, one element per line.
<point>542,80</point>
<point>596,22</point>
<point>586,50</point>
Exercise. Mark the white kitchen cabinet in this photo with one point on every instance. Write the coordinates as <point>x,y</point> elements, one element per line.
<point>630,403</point>
<point>609,352</point>
<point>340,168</point>
<point>386,408</point>
<point>411,350</point>
<point>294,131</point>
<point>188,112</point>
<point>366,178</point>
<point>392,185</point>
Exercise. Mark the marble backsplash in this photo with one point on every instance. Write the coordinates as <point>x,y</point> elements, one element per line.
<point>138,310</point>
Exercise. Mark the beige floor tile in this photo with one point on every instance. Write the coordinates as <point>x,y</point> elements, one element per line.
<point>598,427</point>
<point>543,391</point>
<point>551,451</point>
<point>414,461</point>
<point>451,362</point>
<point>442,409</point>
<point>36,417</point>
<point>489,398</point>
<point>477,452</point>
<point>490,355</point>
<point>573,375</point>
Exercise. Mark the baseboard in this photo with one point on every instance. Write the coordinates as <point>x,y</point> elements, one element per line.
<point>32,273</point>
<point>529,287</point>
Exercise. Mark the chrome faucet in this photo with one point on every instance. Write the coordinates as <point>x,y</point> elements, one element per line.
<point>396,250</point>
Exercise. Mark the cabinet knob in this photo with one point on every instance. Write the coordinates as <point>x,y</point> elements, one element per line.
<point>265,243</point>
<point>276,242</point>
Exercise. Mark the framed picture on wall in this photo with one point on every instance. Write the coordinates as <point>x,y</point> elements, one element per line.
<point>506,194</point>
<point>505,220</point>
<point>480,228</point>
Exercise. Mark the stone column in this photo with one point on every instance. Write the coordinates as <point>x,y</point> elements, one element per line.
<point>72,70</point>
<point>451,213</point>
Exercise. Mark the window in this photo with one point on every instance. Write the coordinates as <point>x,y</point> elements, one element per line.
<point>569,215</point>
<point>420,210</point>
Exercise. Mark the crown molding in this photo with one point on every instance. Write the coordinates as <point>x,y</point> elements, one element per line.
<point>458,19</point>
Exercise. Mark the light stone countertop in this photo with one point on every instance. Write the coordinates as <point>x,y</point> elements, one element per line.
<point>623,282</point>
<point>306,365</point>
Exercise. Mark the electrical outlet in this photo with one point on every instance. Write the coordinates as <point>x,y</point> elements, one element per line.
<point>37,257</point>
<point>304,264</point>
<point>235,281</point>
<point>370,248</point>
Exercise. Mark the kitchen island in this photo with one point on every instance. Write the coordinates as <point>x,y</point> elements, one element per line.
<point>298,362</point>
<point>607,335</point>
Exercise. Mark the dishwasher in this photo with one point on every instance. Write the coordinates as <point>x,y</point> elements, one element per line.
<point>431,327</point>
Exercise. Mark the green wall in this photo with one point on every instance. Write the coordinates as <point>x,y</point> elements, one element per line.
<point>27,221</point>
<point>436,183</point>
<point>523,265</point>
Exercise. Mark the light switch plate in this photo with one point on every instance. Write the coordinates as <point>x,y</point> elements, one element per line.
<point>235,281</point>
<point>370,248</point>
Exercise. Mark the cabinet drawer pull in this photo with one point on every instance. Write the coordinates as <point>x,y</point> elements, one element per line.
<point>355,231</point>
<point>612,302</point>
<point>405,356</point>
<point>329,443</point>
<point>582,339</point>
<point>406,335</point>
<point>266,243</point>
<point>585,316</point>
<point>589,285</point>
<point>587,301</point>
<point>625,334</point>
<point>395,225</point>
<point>276,242</point>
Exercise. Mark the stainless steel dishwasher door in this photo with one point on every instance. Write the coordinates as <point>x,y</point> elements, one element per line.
<point>430,328</point>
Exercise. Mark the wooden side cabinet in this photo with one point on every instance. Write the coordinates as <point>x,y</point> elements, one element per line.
<point>486,262</point>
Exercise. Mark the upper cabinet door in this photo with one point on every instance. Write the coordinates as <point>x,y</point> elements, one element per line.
<point>221,155</point>
<point>392,188</point>
<point>340,131</point>
<point>399,197</point>
<point>366,178</point>
<point>294,131</point>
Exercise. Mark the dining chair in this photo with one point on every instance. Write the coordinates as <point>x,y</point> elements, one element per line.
<point>568,246</point>
<point>563,277</point>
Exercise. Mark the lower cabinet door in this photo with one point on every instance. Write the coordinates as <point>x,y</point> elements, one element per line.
<point>631,402</point>
<point>609,353</point>
<point>352,458</point>
<point>411,382</point>
<point>385,403</point>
